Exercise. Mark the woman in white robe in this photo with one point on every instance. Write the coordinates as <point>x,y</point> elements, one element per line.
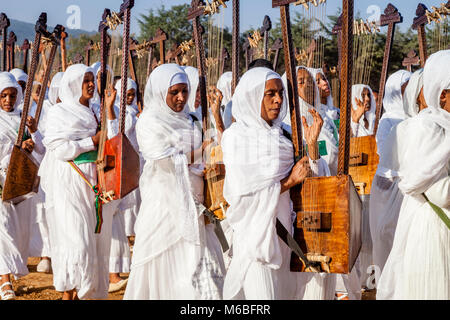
<point>385,198</point>
<point>80,257</point>
<point>418,266</point>
<point>224,85</point>
<point>14,225</point>
<point>363,111</point>
<point>39,240</point>
<point>260,267</point>
<point>328,140</point>
<point>126,213</point>
<point>174,256</point>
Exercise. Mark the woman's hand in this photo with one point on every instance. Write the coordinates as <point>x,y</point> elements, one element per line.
<point>299,173</point>
<point>31,124</point>
<point>312,133</point>
<point>359,112</point>
<point>214,99</point>
<point>110,99</point>
<point>28,145</point>
<point>96,138</point>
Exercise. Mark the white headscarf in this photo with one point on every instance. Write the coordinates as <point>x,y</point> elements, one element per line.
<point>304,106</point>
<point>164,133</point>
<point>96,67</point>
<point>19,74</point>
<point>131,84</point>
<point>410,106</point>
<point>257,157</point>
<point>393,99</point>
<point>193,80</point>
<point>428,151</point>
<point>9,121</point>
<point>224,85</point>
<point>54,88</point>
<point>70,120</point>
<point>131,111</point>
<point>357,90</point>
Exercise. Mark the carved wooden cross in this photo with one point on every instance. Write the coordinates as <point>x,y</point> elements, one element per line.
<point>64,35</point>
<point>174,54</point>
<point>390,18</point>
<point>4,24</point>
<point>419,24</point>
<point>411,60</point>
<point>248,50</point>
<point>104,46</point>
<point>276,46</point>
<point>88,49</point>
<point>150,59</point>
<point>25,48</point>
<point>225,56</point>
<point>235,46</point>
<point>266,27</point>
<point>78,58</point>
<point>160,38</point>
<point>11,43</point>
<point>195,12</point>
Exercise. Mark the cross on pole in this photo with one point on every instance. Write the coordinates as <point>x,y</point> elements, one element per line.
<point>266,27</point>
<point>276,46</point>
<point>225,56</point>
<point>160,38</point>
<point>25,48</point>
<point>4,24</point>
<point>419,24</point>
<point>88,49</point>
<point>390,18</point>
<point>411,60</point>
<point>11,43</point>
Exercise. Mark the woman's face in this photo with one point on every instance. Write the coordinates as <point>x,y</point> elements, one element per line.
<point>421,101</point>
<point>445,100</point>
<point>88,87</point>
<point>366,99</point>
<point>322,83</point>
<point>305,85</point>
<point>177,96</point>
<point>8,99</point>
<point>197,98</point>
<point>272,101</point>
<point>131,94</point>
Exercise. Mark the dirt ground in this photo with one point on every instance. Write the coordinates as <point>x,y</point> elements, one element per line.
<point>39,286</point>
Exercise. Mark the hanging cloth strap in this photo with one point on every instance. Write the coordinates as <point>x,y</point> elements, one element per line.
<point>89,157</point>
<point>438,211</point>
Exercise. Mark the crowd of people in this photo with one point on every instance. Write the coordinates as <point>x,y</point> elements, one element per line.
<point>176,253</point>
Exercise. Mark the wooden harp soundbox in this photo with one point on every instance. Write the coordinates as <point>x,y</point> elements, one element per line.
<point>22,180</point>
<point>118,164</point>
<point>215,179</point>
<point>328,223</point>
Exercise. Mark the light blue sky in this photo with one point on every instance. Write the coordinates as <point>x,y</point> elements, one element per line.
<point>252,11</point>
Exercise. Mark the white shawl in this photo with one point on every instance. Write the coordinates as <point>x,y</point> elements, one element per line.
<point>428,150</point>
<point>257,157</point>
<point>357,90</point>
<point>163,133</point>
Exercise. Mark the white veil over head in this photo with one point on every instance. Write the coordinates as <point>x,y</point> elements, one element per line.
<point>53,92</point>
<point>248,97</point>
<point>7,80</point>
<point>357,90</point>
<point>193,81</point>
<point>410,106</point>
<point>393,99</point>
<point>224,85</point>
<point>131,84</point>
